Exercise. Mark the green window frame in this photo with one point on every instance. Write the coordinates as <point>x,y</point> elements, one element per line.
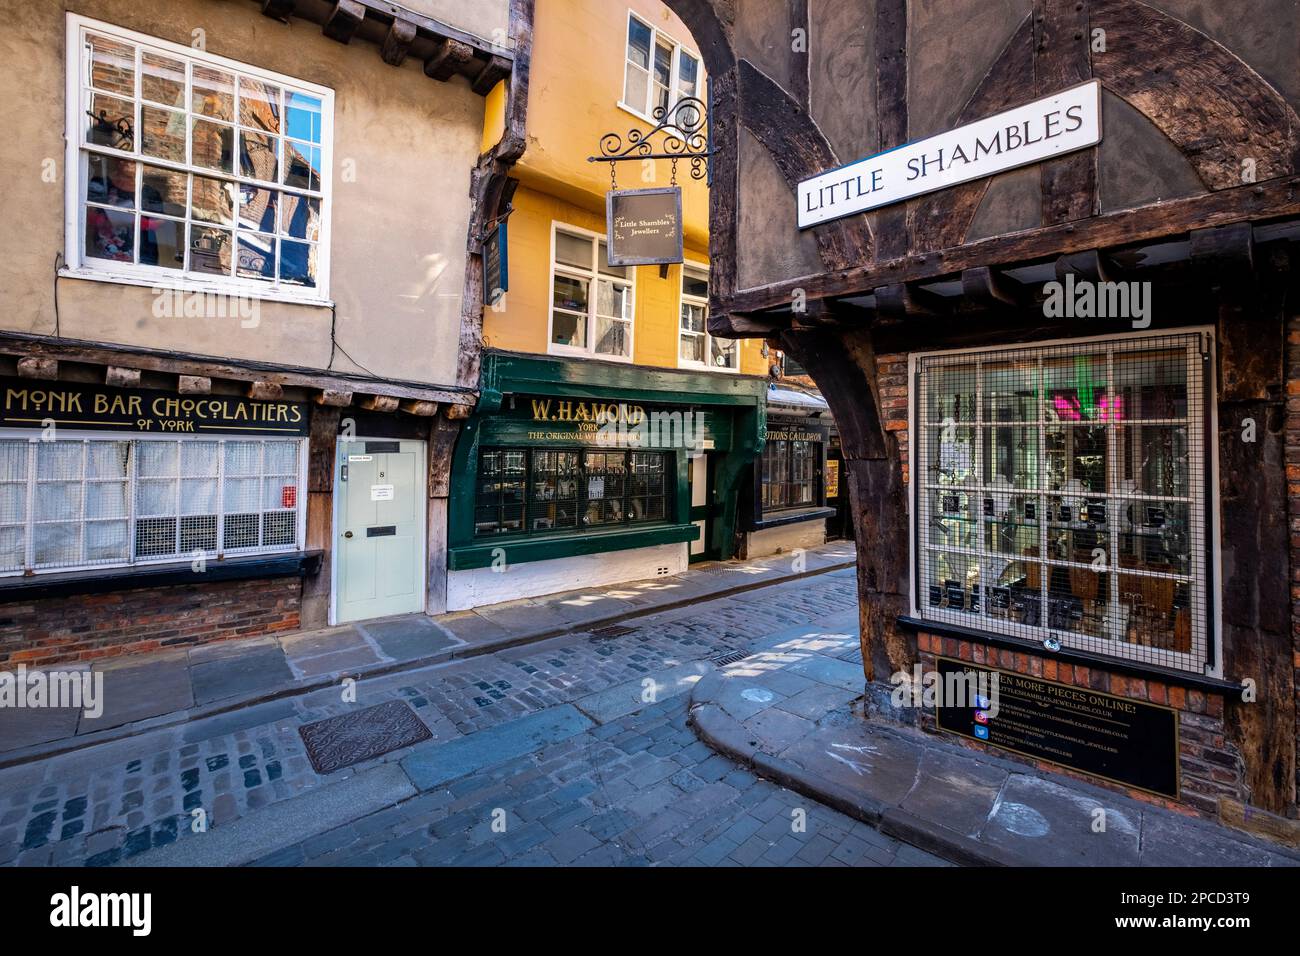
<point>540,490</point>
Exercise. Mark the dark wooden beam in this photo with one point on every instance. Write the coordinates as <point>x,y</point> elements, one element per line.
<point>279,9</point>
<point>1226,249</point>
<point>1061,61</point>
<point>38,367</point>
<point>904,299</point>
<point>987,287</point>
<point>1277,199</point>
<point>893,232</point>
<point>265,391</point>
<point>1090,265</point>
<point>333,398</point>
<point>496,69</point>
<point>397,43</point>
<point>344,20</point>
<point>419,409</point>
<point>448,58</point>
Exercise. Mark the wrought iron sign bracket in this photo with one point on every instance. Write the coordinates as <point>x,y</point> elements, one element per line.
<point>687,136</point>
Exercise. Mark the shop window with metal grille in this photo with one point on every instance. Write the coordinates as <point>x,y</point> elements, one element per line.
<point>790,473</point>
<point>93,502</point>
<point>1063,495</point>
<point>545,489</point>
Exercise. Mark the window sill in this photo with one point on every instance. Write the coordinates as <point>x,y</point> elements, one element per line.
<point>105,581</point>
<point>1117,665</point>
<point>560,351</point>
<point>545,546</point>
<point>779,519</point>
<point>190,284</point>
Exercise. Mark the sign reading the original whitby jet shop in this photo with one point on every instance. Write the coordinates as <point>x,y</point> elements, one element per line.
<point>1124,741</point>
<point>76,405</point>
<point>1043,129</point>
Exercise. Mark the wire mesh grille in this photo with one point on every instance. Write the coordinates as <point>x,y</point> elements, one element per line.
<point>1062,495</point>
<point>89,502</point>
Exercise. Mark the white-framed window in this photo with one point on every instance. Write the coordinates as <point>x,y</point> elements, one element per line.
<point>106,500</point>
<point>591,300</point>
<point>194,170</point>
<point>696,348</point>
<point>659,72</point>
<point>1061,495</point>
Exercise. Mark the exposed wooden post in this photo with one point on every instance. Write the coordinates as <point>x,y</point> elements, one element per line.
<point>344,20</point>
<point>422,409</point>
<point>321,452</point>
<point>448,58</point>
<point>279,9</point>
<point>496,69</point>
<point>458,412</point>
<point>401,34</point>
<point>38,367</point>
<point>120,377</point>
<point>265,391</point>
<point>442,443</point>
<point>193,385</point>
<point>334,399</point>
<point>379,403</point>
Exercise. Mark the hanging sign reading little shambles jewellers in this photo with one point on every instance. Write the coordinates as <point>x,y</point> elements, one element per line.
<point>1037,131</point>
<point>644,226</point>
<point>75,405</point>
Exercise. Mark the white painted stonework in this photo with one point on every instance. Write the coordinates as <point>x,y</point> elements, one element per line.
<point>482,586</point>
<point>784,539</point>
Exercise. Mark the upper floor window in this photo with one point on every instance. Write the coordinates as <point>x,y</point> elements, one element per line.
<point>695,346</point>
<point>591,311</point>
<point>190,167</point>
<point>659,72</point>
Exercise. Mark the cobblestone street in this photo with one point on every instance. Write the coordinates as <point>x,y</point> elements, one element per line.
<point>605,778</point>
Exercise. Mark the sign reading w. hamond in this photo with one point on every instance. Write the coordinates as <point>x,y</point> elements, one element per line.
<point>1043,129</point>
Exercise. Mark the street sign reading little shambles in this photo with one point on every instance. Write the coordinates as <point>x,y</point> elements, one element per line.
<point>644,226</point>
<point>1040,130</point>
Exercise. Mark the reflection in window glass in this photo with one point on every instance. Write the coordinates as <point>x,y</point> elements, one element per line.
<point>212,152</point>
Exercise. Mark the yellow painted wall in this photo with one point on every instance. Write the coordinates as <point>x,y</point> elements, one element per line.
<point>575,89</point>
<point>520,322</point>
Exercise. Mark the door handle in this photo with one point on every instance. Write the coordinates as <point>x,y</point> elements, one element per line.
<point>347,534</point>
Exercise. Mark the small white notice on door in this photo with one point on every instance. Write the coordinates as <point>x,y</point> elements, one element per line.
<point>381,492</point>
<point>361,458</point>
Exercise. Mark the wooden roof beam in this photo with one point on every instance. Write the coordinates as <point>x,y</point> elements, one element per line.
<point>496,69</point>
<point>991,288</point>
<point>343,21</point>
<point>401,34</point>
<point>909,299</point>
<point>448,58</point>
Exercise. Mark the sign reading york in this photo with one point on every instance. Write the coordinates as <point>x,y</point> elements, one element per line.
<point>1049,127</point>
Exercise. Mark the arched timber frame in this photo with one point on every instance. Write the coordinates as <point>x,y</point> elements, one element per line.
<point>1205,100</point>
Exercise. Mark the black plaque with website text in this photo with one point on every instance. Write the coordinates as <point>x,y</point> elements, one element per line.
<point>645,226</point>
<point>1124,741</point>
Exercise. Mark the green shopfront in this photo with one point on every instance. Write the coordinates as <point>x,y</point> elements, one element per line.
<point>576,473</point>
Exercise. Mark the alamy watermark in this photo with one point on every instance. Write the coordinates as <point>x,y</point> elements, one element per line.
<point>194,304</point>
<point>1083,299</point>
<point>930,689</point>
<point>82,690</point>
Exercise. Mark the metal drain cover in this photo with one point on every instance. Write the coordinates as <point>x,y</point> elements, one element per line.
<point>338,742</point>
<point>731,658</point>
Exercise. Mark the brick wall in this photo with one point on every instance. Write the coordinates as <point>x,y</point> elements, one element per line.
<point>1208,766</point>
<point>92,626</point>
<point>891,376</point>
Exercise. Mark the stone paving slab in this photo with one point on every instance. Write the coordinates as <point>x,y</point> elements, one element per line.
<point>630,697</point>
<point>283,824</point>
<point>965,806</point>
<point>257,669</point>
<point>439,763</point>
<point>410,638</point>
<point>147,689</point>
